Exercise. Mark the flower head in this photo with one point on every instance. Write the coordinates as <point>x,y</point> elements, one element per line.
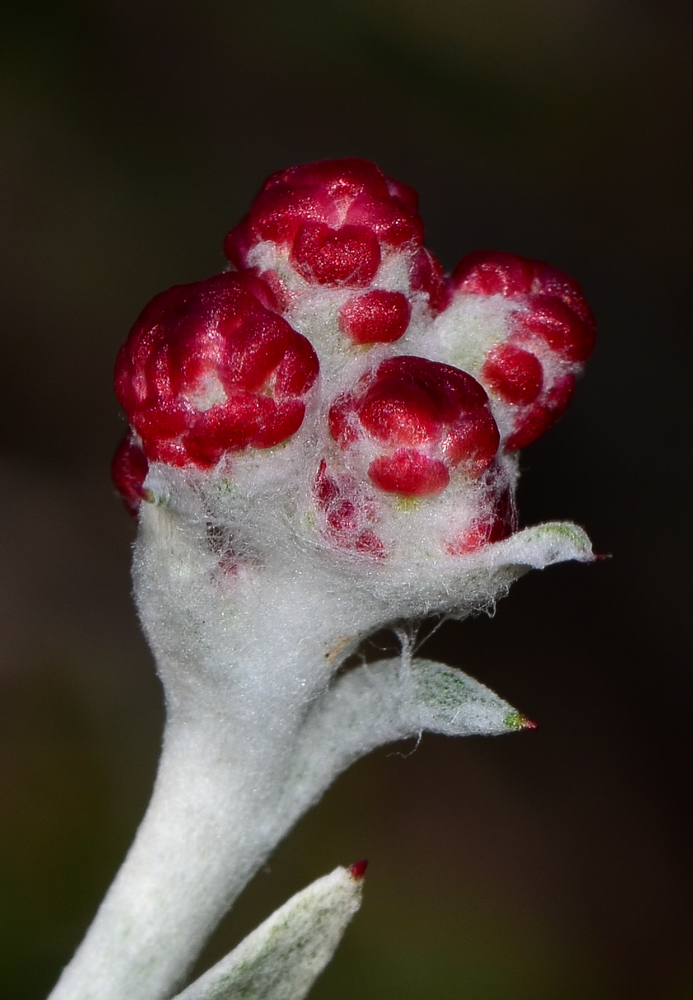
<point>211,368</point>
<point>389,403</point>
<point>546,333</point>
<point>344,228</point>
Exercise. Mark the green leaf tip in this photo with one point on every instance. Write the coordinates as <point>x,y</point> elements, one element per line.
<point>544,545</point>
<point>569,534</point>
<point>515,721</point>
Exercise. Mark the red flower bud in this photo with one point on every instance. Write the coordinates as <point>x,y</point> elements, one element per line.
<point>376,317</point>
<point>348,513</point>
<point>347,256</point>
<point>332,221</point>
<point>493,272</point>
<point>426,275</point>
<point>534,421</point>
<point>425,418</point>
<point>129,471</point>
<point>514,374</point>
<point>208,368</point>
<point>498,523</point>
<point>549,319</point>
<point>550,335</point>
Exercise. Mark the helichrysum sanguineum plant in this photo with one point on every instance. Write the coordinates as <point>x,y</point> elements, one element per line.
<point>323,441</point>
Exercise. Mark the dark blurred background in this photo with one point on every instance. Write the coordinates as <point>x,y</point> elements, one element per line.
<point>554,864</point>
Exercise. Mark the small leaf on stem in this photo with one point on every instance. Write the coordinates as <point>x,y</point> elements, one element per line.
<point>282,958</point>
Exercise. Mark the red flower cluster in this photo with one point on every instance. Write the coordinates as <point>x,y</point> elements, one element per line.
<point>225,364</point>
<point>549,337</point>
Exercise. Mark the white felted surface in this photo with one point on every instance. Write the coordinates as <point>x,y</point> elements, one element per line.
<point>256,729</point>
<point>283,957</point>
<point>390,700</point>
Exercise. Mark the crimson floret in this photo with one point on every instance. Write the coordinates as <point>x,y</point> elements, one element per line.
<point>422,418</point>
<point>497,519</point>
<point>549,336</point>
<point>348,513</point>
<point>129,471</point>
<point>210,368</point>
<point>375,317</point>
<point>333,222</point>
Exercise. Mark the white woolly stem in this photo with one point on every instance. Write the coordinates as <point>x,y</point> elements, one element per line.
<point>183,871</point>
<point>256,731</point>
<point>212,821</point>
<point>235,704</point>
<point>207,831</point>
